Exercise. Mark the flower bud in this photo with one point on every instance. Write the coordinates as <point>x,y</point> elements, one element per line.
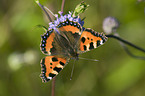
<point>110,24</point>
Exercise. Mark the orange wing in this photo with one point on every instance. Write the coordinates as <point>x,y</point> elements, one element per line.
<point>46,42</point>
<point>91,39</point>
<point>71,31</point>
<point>51,66</point>
<point>70,28</point>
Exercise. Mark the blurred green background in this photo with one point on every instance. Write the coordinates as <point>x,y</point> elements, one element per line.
<point>115,74</point>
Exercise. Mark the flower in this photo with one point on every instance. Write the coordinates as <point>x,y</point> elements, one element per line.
<point>110,24</point>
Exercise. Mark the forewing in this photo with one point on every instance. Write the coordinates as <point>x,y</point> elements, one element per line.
<point>71,31</point>
<point>91,39</point>
<point>51,66</point>
<point>50,45</point>
<point>46,42</point>
<point>67,37</point>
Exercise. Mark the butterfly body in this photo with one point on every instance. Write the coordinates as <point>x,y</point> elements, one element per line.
<point>65,39</point>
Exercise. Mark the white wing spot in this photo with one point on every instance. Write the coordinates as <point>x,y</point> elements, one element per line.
<point>101,42</point>
<point>49,78</point>
<point>54,72</point>
<point>88,47</point>
<point>95,44</point>
<point>59,66</point>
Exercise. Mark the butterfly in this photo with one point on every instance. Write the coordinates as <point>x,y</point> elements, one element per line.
<point>65,39</point>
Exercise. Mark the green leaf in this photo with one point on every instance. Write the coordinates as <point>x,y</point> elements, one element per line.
<point>37,1</point>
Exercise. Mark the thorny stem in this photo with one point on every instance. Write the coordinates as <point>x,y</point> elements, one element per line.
<point>53,87</point>
<point>62,6</point>
<point>126,42</point>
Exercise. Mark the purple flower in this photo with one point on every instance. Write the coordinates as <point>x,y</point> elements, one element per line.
<point>81,22</point>
<point>62,19</point>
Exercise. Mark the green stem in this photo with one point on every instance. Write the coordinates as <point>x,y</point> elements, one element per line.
<point>53,87</point>
<point>126,42</point>
<point>62,5</point>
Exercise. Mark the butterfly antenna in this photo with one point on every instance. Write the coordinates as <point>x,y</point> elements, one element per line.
<point>88,59</point>
<point>72,69</point>
<point>44,8</point>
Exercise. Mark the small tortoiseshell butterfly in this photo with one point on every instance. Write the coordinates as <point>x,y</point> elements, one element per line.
<point>66,38</point>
